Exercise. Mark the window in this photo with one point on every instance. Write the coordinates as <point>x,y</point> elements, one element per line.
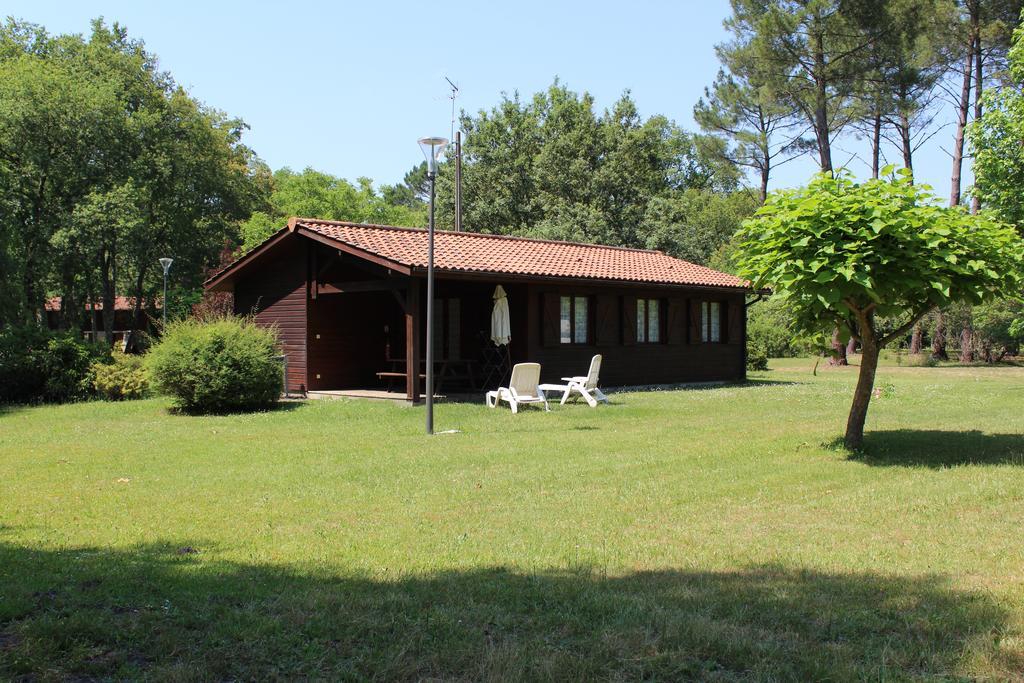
<point>710,321</point>
<point>575,320</point>
<point>648,320</point>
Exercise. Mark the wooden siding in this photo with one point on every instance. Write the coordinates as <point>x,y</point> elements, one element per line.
<point>275,291</point>
<point>628,362</point>
<point>349,336</point>
<point>360,330</point>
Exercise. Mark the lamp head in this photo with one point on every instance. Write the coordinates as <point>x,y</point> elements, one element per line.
<point>433,148</point>
<point>166,263</point>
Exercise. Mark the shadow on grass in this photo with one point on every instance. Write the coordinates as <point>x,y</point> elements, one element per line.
<point>279,407</point>
<point>163,611</point>
<point>936,448</point>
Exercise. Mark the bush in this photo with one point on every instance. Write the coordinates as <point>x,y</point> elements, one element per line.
<point>770,325</point>
<point>757,356</point>
<point>217,366</point>
<point>125,378</point>
<point>40,365</point>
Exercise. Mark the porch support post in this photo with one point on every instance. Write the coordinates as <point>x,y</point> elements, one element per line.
<point>412,341</point>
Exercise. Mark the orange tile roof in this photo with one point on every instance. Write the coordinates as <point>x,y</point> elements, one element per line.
<point>470,252</point>
<point>121,303</point>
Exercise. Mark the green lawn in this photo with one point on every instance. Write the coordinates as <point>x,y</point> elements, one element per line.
<point>703,533</point>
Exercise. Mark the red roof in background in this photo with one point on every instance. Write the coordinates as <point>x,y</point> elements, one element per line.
<point>499,254</point>
<point>121,303</point>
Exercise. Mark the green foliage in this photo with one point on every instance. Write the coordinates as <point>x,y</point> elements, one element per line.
<point>107,164</point>
<point>757,356</point>
<point>320,195</point>
<point>740,110</point>
<point>554,167</point>
<point>772,326</point>
<point>695,224</point>
<point>872,259</point>
<point>40,365</point>
<point>838,247</point>
<point>124,378</point>
<point>217,366</point>
<point>996,326</point>
<point>996,141</point>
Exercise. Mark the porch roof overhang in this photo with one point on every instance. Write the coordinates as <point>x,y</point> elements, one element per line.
<point>480,257</point>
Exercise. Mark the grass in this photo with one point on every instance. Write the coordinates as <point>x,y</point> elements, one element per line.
<point>704,533</point>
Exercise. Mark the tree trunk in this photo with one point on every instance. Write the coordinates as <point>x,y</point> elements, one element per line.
<point>905,139</point>
<point>838,350</point>
<point>939,338</point>
<point>765,169</point>
<point>961,123</point>
<point>975,200</point>
<point>876,142</point>
<point>865,383</point>
<point>851,347</point>
<point>821,128</point>
<point>967,344</point>
<point>109,297</point>
<point>916,339</point>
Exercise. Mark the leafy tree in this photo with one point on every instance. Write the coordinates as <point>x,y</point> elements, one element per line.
<point>996,143</point>
<point>810,53</point>
<point>412,191</point>
<point>694,224</point>
<point>755,125</point>
<point>995,324</point>
<point>315,194</point>
<point>86,122</point>
<point>844,254</point>
<point>554,167</point>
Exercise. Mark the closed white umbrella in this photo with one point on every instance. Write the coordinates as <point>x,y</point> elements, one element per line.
<point>501,328</point>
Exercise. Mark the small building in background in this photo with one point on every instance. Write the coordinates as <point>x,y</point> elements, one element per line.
<point>124,310</point>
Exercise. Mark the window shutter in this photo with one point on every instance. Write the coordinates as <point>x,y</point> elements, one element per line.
<point>694,325</point>
<point>628,320</point>
<point>734,322</point>
<point>606,319</point>
<point>551,317</point>
<point>676,321</point>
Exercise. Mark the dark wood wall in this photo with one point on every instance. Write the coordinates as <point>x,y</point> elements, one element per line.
<point>348,336</point>
<point>356,329</point>
<point>274,290</point>
<point>679,356</point>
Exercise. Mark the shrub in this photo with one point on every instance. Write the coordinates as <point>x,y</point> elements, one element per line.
<point>757,356</point>
<point>39,365</point>
<point>125,378</point>
<point>921,360</point>
<point>217,366</point>
<point>770,324</point>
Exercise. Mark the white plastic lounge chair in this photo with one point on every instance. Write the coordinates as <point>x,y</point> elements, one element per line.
<point>522,388</point>
<point>584,386</point>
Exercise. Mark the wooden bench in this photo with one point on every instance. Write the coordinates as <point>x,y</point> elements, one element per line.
<point>391,376</point>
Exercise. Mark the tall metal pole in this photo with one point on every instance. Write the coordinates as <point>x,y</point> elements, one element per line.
<point>165,300</point>
<point>458,181</point>
<point>430,311</point>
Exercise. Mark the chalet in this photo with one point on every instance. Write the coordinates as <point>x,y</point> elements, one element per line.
<point>348,303</point>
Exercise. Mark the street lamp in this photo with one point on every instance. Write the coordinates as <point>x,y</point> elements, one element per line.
<point>432,148</point>
<point>166,263</point>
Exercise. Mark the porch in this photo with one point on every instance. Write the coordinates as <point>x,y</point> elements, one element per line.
<point>363,335</point>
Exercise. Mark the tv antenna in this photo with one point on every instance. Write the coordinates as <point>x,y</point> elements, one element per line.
<point>455,93</point>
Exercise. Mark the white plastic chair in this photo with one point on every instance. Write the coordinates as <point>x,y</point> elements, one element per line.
<point>522,388</point>
<point>585,386</point>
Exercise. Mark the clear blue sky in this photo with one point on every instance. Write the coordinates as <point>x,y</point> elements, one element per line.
<point>348,87</point>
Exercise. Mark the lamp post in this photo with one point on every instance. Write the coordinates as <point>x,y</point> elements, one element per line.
<point>166,263</point>
<point>432,148</point>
